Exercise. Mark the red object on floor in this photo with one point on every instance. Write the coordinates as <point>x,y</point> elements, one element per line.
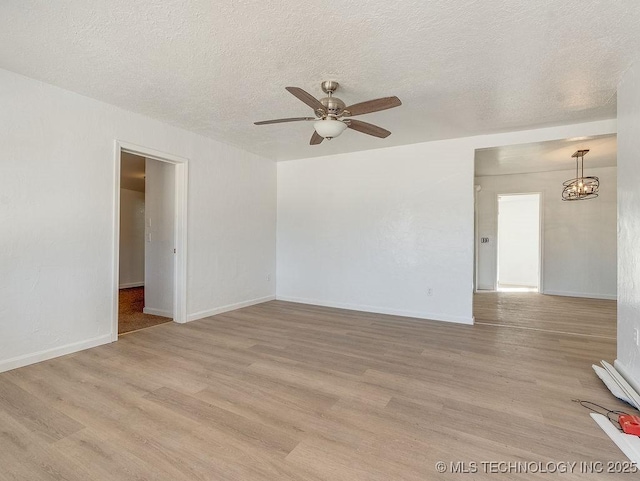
<point>630,424</point>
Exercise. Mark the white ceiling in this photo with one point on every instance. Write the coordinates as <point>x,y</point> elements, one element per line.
<point>460,67</point>
<point>546,156</point>
<point>132,168</point>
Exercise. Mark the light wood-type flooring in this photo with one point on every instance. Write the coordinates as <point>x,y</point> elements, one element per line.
<point>530,310</point>
<point>283,391</point>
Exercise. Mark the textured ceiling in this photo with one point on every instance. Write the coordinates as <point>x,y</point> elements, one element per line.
<point>547,156</point>
<point>460,67</point>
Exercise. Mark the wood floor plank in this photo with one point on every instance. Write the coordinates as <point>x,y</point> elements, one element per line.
<point>554,313</point>
<point>108,460</point>
<point>35,415</point>
<point>291,392</point>
<point>26,457</point>
<point>234,425</point>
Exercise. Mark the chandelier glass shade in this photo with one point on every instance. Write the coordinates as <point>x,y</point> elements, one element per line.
<point>580,188</point>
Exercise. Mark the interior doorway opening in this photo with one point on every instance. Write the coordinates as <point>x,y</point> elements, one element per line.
<point>577,259</point>
<point>519,242</point>
<point>147,235</point>
<point>149,239</point>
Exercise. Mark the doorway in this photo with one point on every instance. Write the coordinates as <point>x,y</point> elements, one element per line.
<point>147,190</point>
<point>150,239</point>
<point>573,265</point>
<point>518,242</point>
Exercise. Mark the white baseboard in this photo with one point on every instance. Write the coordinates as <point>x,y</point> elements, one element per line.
<point>230,307</point>
<point>588,295</point>
<point>131,284</point>
<point>626,374</point>
<point>380,310</point>
<point>157,312</point>
<point>25,360</point>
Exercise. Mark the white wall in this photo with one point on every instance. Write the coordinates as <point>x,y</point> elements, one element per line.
<point>519,240</point>
<point>581,233</point>
<point>376,230</point>
<point>57,190</point>
<point>629,220</point>
<point>131,238</point>
<point>159,228</point>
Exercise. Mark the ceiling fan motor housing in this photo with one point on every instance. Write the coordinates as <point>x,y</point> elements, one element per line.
<point>333,105</point>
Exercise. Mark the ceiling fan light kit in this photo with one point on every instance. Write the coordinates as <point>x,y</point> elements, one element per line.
<point>333,115</point>
<point>329,128</point>
<point>581,188</point>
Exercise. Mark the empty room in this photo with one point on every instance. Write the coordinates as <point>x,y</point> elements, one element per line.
<point>346,241</point>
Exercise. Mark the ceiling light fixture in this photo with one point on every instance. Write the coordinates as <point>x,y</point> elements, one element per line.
<point>332,116</point>
<point>329,128</point>
<point>580,188</point>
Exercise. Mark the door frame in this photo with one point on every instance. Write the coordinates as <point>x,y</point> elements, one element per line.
<point>476,236</point>
<point>540,236</point>
<point>181,166</point>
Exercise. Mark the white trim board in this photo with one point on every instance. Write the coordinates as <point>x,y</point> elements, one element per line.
<point>624,372</point>
<point>129,285</point>
<point>380,310</point>
<point>229,307</point>
<point>586,295</point>
<point>622,383</point>
<point>25,360</point>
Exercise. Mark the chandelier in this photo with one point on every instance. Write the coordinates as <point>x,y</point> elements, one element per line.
<point>580,188</point>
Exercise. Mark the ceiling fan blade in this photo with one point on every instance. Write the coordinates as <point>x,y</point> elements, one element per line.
<point>373,106</point>
<point>316,139</point>
<point>307,98</point>
<point>279,121</point>
<point>367,128</point>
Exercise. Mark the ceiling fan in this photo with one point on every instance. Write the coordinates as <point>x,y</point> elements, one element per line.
<point>333,116</point>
